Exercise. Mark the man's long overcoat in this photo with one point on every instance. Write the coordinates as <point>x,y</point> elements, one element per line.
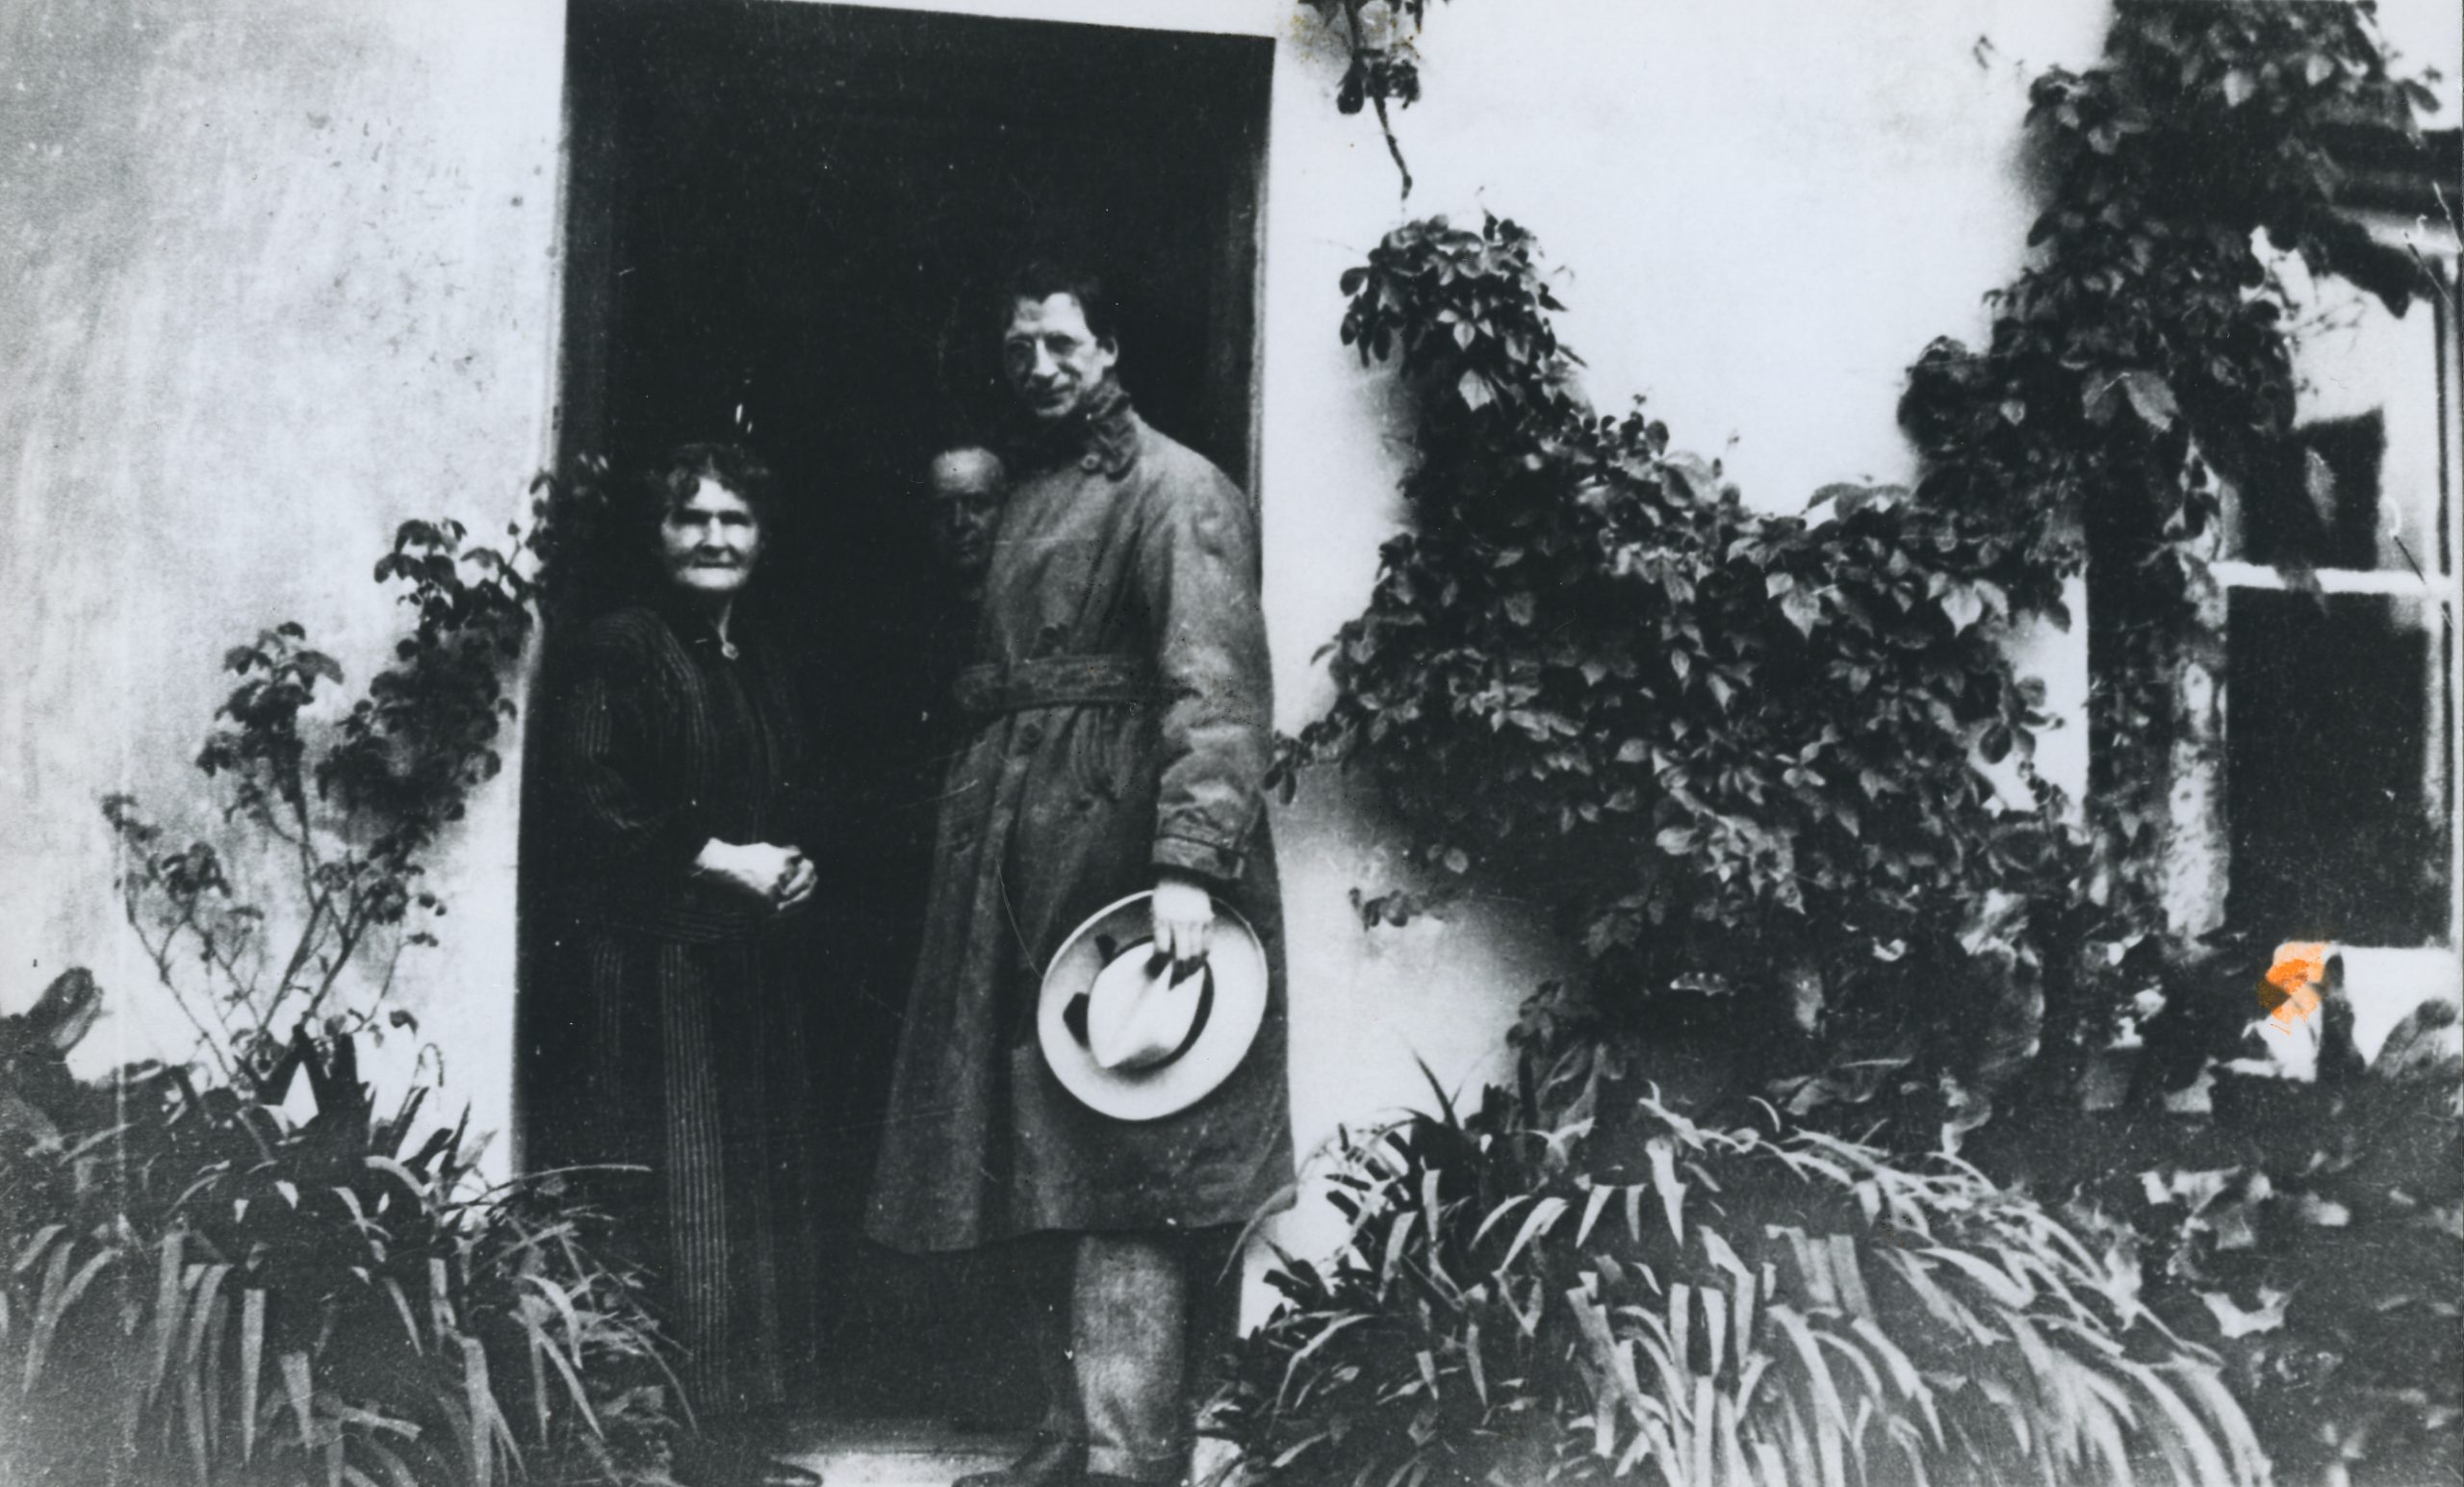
<point>1123,711</point>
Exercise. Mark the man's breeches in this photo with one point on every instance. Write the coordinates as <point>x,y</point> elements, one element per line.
<point>1131,1326</point>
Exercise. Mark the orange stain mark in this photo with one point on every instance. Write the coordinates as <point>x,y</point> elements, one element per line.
<point>2293,983</point>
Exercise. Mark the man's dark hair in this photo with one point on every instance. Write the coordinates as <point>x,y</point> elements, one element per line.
<point>673,480</point>
<point>1039,279</point>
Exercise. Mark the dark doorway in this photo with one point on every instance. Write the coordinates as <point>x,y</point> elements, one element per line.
<point>782,220</point>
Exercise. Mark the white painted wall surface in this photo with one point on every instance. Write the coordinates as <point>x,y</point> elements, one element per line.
<point>277,275</point>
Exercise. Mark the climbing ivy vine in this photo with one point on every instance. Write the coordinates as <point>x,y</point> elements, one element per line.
<point>1783,759</point>
<point>2145,358</point>
<point>1743,756</point>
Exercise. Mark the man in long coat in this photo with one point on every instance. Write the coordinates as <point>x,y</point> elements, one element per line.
<point>1120,710</point>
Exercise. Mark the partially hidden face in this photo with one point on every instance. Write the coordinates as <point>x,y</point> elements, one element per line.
<point>1052,360</point>
<point>709,541</point>
<point>967,489</point>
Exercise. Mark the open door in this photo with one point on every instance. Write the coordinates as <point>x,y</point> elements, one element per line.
<point>783,222</point>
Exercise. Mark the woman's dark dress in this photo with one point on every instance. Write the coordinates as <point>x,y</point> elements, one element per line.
<point>689,1042</point>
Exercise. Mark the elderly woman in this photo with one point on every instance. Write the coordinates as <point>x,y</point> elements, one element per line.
<point>684,840</point>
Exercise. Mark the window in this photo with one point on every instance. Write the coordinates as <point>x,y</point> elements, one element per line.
<point>2340,673</point>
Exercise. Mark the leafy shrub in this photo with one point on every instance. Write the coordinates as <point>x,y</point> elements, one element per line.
<point>1668,1301</point>
<point>1742,751</point>
<point>2312,1233</point>
<point>200,1291</point>
<point>340,811</point>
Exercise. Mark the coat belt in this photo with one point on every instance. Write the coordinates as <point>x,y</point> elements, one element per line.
<point>1057,681</point>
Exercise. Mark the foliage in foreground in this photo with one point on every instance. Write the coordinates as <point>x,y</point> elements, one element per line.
<point>2312,1233</point>
<point>1655,1300</point>
<point>196,1290</point>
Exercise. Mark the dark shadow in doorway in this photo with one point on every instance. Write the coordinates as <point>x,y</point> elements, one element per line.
<point>781,219</point>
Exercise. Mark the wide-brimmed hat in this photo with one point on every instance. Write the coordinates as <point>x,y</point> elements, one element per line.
<point>1126,1039</point>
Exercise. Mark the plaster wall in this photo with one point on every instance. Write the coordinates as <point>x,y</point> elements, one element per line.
<point>277,275</point>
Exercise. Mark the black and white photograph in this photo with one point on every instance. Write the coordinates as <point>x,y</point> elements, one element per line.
<point>1231,743</point>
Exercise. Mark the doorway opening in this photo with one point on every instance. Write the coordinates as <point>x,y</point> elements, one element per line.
<point>782,223</point>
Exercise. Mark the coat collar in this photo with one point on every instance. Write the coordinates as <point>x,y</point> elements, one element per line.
<point>1103,437</point>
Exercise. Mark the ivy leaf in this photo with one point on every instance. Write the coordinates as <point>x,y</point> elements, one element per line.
<point>2096,399</point>
<point>1633,750</point>
<point>2238,87</point>
<point>1963,606</point>
<point>1475,390</point>
<point>2151,397</point>
<point>1802,611</point>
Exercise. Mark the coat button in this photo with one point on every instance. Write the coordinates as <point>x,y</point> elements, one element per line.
<point>1088,463</point>
<point>1031,735</point>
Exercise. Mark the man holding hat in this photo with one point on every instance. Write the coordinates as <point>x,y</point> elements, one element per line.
<point>1092,1061</point>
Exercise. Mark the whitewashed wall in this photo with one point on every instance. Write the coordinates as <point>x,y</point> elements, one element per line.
<point>277,274</point>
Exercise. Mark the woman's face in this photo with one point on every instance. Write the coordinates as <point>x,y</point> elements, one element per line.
<point>709,541</point>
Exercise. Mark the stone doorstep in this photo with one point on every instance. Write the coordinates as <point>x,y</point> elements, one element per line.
<point>897,1452</point>
<point>929,1453</point>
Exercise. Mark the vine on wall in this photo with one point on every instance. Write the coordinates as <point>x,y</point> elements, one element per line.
<point>1745,754</point>
<point>1741,754</point>
<point>2145,358</point>
<point>297,913</point>
<point>1381,65</point>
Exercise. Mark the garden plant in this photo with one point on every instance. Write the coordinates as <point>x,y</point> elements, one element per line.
<point>1576,1283</point>
<point>197,1287</point>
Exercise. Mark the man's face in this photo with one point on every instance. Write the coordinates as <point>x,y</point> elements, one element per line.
<point>967,489</point>
<point>709,541</point>
<point>1052,360</point>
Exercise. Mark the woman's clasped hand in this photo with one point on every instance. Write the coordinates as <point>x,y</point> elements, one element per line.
<point>780,877</point>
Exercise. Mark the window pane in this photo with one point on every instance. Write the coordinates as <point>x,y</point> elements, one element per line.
<point>2359,485</point>
<point>2315,502</point>
<point>2337,802</point>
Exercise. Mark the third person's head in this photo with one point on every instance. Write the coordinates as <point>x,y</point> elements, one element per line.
<point>966,485</point>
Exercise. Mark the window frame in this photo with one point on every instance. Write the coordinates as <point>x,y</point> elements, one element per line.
<point>2435,587</point>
